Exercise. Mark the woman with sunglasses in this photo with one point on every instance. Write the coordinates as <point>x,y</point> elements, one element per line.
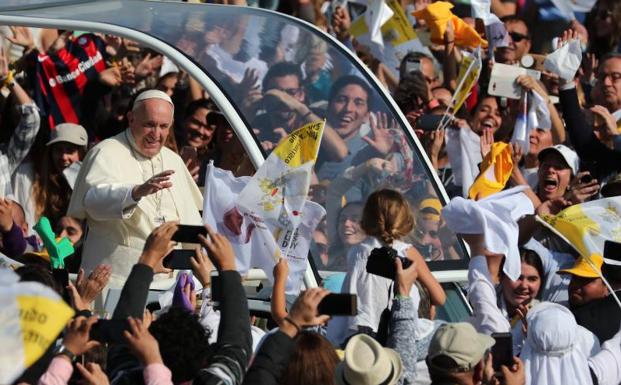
<point>428,236</point>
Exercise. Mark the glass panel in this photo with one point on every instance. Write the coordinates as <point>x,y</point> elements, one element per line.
<point>279,74</point>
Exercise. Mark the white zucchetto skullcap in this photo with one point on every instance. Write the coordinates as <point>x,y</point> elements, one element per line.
<point>152,94</point>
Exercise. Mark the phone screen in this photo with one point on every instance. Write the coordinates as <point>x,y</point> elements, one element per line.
<point>179,259</point>
<point>109,330</point>
<point>216,289</point>
<point>339,304</point>
<point>502,351</point>
<point>189,233</point>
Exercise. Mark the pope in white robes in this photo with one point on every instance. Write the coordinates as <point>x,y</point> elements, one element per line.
<point>130,184</point>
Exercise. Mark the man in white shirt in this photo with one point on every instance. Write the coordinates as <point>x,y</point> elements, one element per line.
<point>130,184</point>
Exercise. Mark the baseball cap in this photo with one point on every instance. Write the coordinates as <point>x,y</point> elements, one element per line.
<point>461,343</point>
<point>69,132</point>
<point>583,269</point>
<point>569,155</point>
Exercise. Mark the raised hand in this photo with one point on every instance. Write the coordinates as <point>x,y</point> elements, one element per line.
<point>383,138</point>
<point>404,278</point>
<point>341,22</point>
<point>92,374</point>
<point>487,141</point>
<point>516,154</point>
<point>111,77</point>
<point>22,36</point>
<point>77,339</point>
<point>142,343</point>
<point>158,245</point>
<point>304,311</point>
<point>219,249</point>
<point>154,184</point>
<point>531,84</point>
<point>610,122</point>
<point>579,191</point>
<point>6,219</point>
<point>202,267</point>
<point>148,65</point>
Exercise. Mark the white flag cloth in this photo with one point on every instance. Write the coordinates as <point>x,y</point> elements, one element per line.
<point>464,151</point>
<point>377,14</point>
<point>254,242</point>
<point>495,216</point>
<point>565,61</point>
<point>535,114</point>
<point>32,317</point>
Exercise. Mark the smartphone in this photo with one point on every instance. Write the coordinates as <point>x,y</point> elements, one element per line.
<point>189,233</point>
<point>179,259</point>
<point>412,66</point>
<point>61,276</point>
<point>109,331</point>
<point>216,289</point>
<point>339,304</point>
<point>502,352</point>
<point>428,122</point>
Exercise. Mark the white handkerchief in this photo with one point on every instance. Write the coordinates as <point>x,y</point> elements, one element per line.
<point>565,61</point>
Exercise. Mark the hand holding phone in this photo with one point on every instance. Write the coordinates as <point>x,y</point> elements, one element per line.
<point>189,233</point>
<point>343,304</point>
<point>179,259</point>
<point>109,331</point>
<point>502,352</point>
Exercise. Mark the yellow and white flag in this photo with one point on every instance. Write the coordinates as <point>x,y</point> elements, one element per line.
<point>469,71</point>
<point>267,216</point>
<point>589,225</point>
<point>31,319</point>
<point>277,192</point>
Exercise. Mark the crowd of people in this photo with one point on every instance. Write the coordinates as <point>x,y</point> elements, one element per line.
<point>110,141</point>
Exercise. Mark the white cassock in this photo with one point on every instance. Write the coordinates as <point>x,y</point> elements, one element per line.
<point>119,226</point>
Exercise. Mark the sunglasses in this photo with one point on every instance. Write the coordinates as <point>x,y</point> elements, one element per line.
<point>517,37</point>
<point>420,234</point>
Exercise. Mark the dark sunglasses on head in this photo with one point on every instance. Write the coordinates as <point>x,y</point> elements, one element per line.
<point>517,37</point>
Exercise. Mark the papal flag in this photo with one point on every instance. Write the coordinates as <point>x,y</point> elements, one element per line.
<point>588,226</point>
<point>276,193</point>
<point>469,72</point>
<point>32,317</point>
<point>267,216</point>
<point>495,172</point>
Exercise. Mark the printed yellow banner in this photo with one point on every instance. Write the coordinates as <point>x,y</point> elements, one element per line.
<point>301,145</point>
<point>41,319</point>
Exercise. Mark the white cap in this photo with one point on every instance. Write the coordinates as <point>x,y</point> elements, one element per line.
<point>69,132</point>
<point>569,155</point>
<point>152,94</point>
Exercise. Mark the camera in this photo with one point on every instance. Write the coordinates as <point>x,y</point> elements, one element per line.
<point>381,262</point>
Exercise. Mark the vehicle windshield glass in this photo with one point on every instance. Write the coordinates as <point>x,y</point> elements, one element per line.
<point>280,73</point>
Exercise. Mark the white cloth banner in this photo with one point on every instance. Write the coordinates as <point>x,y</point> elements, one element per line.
<point>495,216</point>
<point>257,243</point>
